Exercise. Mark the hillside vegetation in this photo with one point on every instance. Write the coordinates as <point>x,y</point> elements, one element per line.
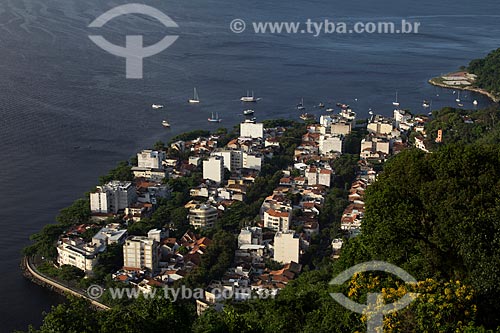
<point>488,72</point>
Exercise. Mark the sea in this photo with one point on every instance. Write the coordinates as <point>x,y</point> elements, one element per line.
<point>68,114</point>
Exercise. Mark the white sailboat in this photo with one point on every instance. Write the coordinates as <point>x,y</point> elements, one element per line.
<point>458,98</point>
<point>214,119</point>
<point>196,98</point>
<point>248,98</point>
<point>301,106</point>
<point>396,103</point>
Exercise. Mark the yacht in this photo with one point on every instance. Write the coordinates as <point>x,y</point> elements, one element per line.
<point>426,104</point>
<point>195,99</point>
<point>306,116</point>
<point>301,106</point>
<point>321,105</point>
<point>165,124</point>
<point>329,110</point>
<point>248,112</point>
<point>348,114</point>
<point>396,102</point>
<point>214,119</point>
<point>475,102</point>
<point>248,98</point>
<point>157,106</point>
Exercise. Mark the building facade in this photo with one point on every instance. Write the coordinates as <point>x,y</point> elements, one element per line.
<point>250,129</point>
<point>203,216</point>
<point>213,169</point>
<point>331,143</point>
<point>277,220</point>
<point>286,247</point>
<point>78,254</point>
<point>140,252</point>
<point>150,159</point>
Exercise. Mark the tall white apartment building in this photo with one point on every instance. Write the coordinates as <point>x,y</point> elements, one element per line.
<point>213,169</point>
<point>286,247</point>
<point>141,252</point>
<point>233,159</point>
<point>112,197</point>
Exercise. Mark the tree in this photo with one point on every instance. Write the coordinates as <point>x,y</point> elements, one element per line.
<point>488,72</point>
<point>72,317</point>
<point>436,215</point>
<point>159,145</point>
<point>77,213</point>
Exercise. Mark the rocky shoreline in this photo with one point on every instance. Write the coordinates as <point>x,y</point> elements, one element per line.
<point>51,285</point>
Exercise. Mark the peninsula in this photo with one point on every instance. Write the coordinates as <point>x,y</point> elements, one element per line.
<point>481,76</point>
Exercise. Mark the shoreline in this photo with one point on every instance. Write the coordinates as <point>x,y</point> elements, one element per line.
<point>434,82</point>
<point>30,272</point>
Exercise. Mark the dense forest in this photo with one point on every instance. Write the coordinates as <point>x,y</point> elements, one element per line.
<point>435,215</point>
<point>488,72</point>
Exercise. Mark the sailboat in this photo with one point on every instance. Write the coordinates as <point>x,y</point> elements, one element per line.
<point>248,98</point>
<point>458,98</point>
<point>195,99</point>
<point>214,119</point>
<point>396,103</point>
<point>426,104</point>
<point>301,106</point>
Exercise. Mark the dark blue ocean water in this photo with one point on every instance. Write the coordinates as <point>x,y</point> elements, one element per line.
<point>59,91</point>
